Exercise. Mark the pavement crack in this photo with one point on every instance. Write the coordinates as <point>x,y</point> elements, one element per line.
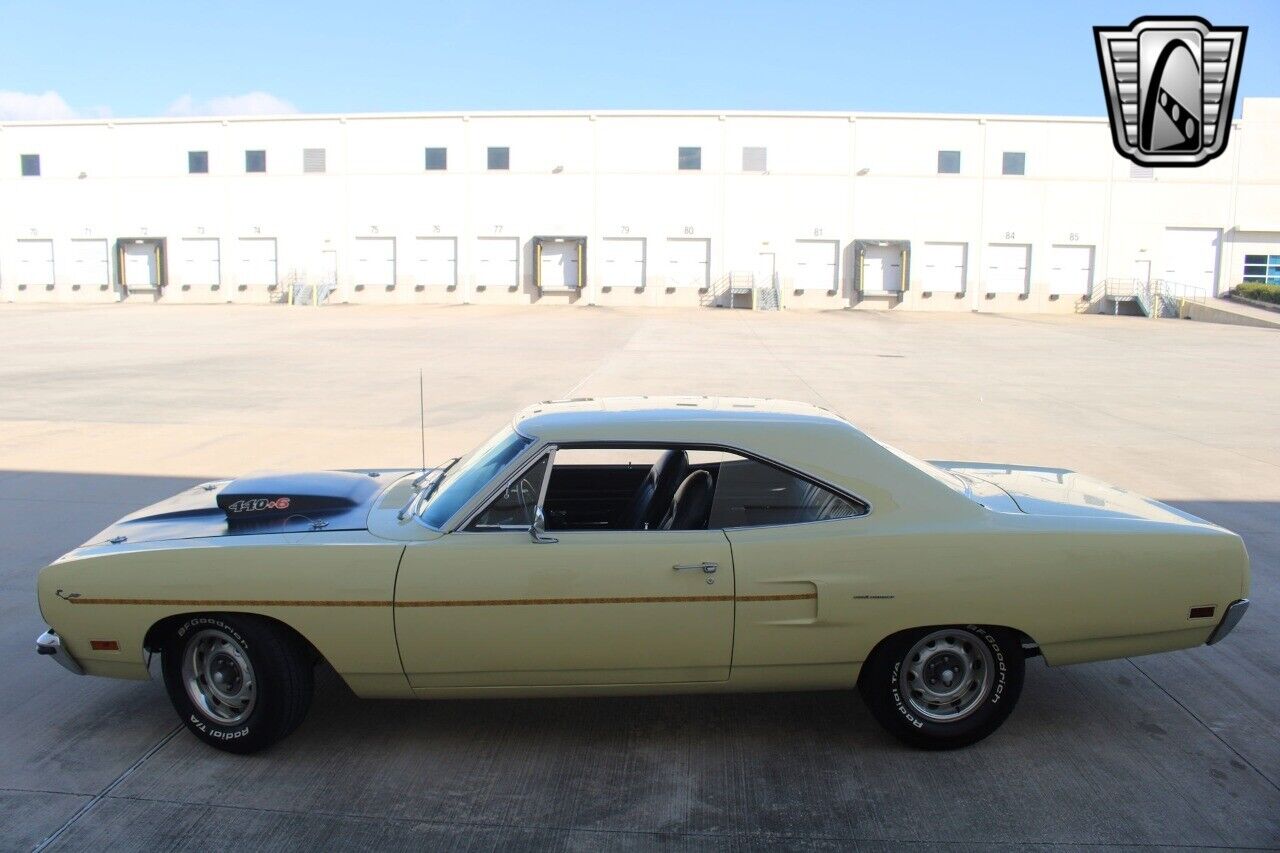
<point>1192,714</point>
<point>111,786</point>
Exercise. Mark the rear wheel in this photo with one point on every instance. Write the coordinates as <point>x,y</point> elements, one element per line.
<point>943,687</point>
<point>239,682</point>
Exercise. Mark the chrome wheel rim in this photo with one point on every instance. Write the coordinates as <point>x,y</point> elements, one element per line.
<point>947,675</point>
<point>219,677</point>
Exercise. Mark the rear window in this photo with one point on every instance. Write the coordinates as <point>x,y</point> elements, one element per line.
<point>750,493</point>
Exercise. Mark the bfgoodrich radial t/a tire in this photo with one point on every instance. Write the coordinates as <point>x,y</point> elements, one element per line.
<point>239,682</point>
<point>943,687</point>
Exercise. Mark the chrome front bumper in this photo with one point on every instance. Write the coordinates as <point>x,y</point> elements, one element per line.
<point>49,643</point>
<point>1230,619</point>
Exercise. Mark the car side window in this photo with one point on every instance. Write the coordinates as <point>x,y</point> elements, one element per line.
<point>750,493</point>
<point>514,507</point>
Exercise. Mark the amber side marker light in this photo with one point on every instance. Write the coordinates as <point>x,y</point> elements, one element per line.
<point>1201,612</point>
<point>104,645</point>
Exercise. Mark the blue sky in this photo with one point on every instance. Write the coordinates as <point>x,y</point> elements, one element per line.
<point>132,59</point>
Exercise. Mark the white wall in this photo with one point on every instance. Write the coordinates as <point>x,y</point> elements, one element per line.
<point>839,177</point>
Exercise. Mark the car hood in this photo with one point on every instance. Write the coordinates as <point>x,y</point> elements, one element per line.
<point>257,504</point>
<point>1057,491</point>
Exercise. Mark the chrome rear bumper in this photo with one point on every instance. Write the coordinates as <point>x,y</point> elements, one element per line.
<point>1230,619</point>
<point>49,643</point>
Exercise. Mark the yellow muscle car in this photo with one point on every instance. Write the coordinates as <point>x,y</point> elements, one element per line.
<point>641,546</point>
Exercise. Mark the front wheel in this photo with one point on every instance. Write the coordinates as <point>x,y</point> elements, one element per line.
<point>944,687</point>
<point>239,682</point>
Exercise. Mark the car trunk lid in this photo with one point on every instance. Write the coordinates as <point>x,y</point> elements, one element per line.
<point>1057,491</point>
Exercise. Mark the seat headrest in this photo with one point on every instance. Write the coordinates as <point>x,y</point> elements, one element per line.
<point>691,504</point>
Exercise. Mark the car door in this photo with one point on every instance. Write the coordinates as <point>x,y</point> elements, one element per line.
<point>495,608</point>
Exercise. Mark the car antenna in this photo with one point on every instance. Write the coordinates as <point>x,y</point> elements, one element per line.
<point>422,420</point>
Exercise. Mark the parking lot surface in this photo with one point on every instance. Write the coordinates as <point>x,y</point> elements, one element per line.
<point>105,409</point>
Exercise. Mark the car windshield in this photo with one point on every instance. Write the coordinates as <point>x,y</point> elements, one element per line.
<point>470,474</point>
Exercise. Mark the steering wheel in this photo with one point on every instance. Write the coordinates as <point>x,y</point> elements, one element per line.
<point>527,496</point>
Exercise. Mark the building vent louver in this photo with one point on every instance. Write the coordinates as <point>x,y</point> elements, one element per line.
<point>313,160</point>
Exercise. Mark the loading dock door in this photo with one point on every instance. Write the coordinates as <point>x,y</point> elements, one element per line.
<point>1071,270</point>
<point>882,269</point>
<point>558,265</point>
<point>35,262</point>
<point>624,262</point>
<point>816,264</point>
<point>201,264</point>
<point>257,261</point>
<point>498,262</point>
<point>376,261</point>
<point>942,267</point>
<point>1007,268</point>
<point>1190,257</point>
<point>688,263</point>
<point>437,261</point>
<point>89,263</point>
<point>141,272</point>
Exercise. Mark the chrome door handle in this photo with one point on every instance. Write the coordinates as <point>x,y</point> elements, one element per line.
<point>707,567</point>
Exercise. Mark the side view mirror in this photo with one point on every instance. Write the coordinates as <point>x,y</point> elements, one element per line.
<point>538,529</point>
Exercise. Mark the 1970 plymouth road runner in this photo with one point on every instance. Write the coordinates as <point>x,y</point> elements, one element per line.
<point>634,546</point>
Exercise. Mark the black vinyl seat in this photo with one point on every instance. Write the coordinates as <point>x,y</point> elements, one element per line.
<point>654,495</point>
<point>691,504</point>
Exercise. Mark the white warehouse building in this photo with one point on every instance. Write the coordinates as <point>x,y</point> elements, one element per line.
<point>797,210</point>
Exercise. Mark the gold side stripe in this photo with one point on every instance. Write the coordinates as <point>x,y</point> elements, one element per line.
<point>478,602</point>
<point>519,602</point>
<point>229,602</point>
<point>798,596</point>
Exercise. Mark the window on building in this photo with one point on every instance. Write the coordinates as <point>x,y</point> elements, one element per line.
<point>690,159</point>
<point>197,162</point>
<point>1015,163</point>
<point>755,159</point>
<point>438,159</point>
<point>948,162</point>
<point>1262,269</point>
<point>313,160</point>
<point>30,165</point>
<point>499,159</point>
<point>255,161</point>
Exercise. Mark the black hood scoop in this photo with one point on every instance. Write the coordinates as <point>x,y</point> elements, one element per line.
<point>313,495</point>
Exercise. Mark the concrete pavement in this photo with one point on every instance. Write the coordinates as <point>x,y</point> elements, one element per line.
<point>103,409</point>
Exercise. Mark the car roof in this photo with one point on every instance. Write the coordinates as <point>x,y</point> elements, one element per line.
<point>709,419</point>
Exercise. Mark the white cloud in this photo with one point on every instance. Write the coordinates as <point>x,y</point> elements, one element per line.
<point>248,104</point>
<point>19,106</point>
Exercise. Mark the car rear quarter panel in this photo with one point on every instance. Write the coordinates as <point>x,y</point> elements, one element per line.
<point>1083,590</point>
<point>335,590</point>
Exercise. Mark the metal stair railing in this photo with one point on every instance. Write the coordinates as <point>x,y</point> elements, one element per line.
<point>1156,298</point>
<point>767,295</point>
